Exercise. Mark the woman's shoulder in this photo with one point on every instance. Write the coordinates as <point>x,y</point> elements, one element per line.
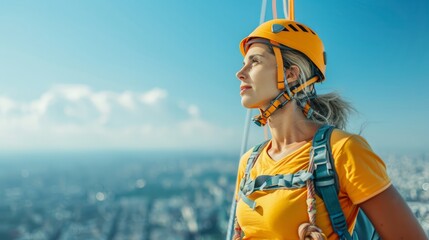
<point>342,140</point>
<point>244,159</point>
<point>361,172</point>
<point>339,135</point>
<point>245,156</point>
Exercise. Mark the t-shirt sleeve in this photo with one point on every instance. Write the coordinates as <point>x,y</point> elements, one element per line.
<point>362,174</point>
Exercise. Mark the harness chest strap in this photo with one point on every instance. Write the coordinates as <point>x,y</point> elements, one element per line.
<point>268,182</point>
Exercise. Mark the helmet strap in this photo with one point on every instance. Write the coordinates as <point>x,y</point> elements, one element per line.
<point>283,98</point>
<point>279,61</point>
<point>278,102</point>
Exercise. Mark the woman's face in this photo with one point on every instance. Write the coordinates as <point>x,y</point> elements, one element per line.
<point>258,77</point>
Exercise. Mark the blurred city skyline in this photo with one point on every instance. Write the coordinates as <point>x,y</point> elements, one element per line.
<point>138,196</point>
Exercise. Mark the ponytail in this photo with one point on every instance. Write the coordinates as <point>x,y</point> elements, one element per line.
<point>331,109</point>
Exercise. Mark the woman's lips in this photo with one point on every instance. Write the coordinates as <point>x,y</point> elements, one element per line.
<point>243,89</point>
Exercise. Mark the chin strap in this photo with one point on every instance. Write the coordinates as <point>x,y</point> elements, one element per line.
<point>282,99</point>
<point>289,93</point>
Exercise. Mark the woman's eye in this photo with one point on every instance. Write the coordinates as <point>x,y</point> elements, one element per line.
<point>254,60</point>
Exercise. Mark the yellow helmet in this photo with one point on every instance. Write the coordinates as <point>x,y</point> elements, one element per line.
<point>288,34</point>
<point>285,33</point>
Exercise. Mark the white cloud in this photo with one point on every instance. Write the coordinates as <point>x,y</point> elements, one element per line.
<point>72,92</point>
<point>77,117</point>
<point>101,103</point>
<point>153,96</point>
<point>40,106</point>
<point>194,111</point>
<point>126,100</point>
<point>6,105</point>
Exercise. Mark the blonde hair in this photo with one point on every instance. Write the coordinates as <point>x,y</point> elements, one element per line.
<point>328,108</point>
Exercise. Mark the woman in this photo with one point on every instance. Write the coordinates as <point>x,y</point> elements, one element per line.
<point>282,61</point>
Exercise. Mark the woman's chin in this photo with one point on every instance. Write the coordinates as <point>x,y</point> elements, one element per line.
<point>252,102</point>
<point>244,103</point>
<point>247,104</point>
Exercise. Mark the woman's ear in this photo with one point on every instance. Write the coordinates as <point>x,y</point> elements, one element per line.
<point>292,74</point>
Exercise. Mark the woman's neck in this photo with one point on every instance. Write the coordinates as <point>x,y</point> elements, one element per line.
<point>290,129</point>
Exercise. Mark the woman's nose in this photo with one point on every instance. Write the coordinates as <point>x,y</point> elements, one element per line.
<point>240,74</point>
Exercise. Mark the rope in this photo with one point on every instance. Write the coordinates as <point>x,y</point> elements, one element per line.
<point>246,132</point>
<point>237,231</point>
<point>263,11</point>
<point>266,135</point>
<point>311,196</point>
<point>291,10</point>
<point>273,5</point>
<point>232,219</point>
<point>285,10</point>
<point>232,223</point>
<point>309,231</point>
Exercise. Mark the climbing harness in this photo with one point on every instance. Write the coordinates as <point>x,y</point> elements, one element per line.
<point>321,173</point>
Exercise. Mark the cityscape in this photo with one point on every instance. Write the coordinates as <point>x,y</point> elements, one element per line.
<point>135,195</point>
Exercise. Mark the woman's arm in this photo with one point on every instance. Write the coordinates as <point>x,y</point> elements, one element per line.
<point>391,216</point>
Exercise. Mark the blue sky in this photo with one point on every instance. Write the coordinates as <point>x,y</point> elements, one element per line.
<point>160,75</point>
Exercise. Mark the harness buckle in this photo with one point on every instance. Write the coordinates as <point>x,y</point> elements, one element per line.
<point>248,188</point>
<point>321,158</point>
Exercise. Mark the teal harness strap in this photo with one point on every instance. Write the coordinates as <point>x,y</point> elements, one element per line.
<point>244,181</point>
<point>288,181</point>
<point>269,182</point>
<point>325,180</point>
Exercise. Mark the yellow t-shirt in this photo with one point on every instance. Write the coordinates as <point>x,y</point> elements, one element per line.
<point>361,173</point>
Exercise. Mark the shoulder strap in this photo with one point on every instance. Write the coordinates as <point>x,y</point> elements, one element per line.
<point>250,162</point>
<point>325,180</point>
<point>254,156</point>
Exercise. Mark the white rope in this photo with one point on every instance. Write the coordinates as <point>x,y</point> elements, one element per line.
<point>246,132</point>
<point>266,134</point>
<point>274,7</point>
<point>263,11</point>
<point>230,231</point>
<point>285,9</point>
<point>249,111</point>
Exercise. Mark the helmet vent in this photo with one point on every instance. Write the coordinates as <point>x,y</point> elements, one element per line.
<point>293,27</point>
<point>276,28</point>
<point>302,28</point>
